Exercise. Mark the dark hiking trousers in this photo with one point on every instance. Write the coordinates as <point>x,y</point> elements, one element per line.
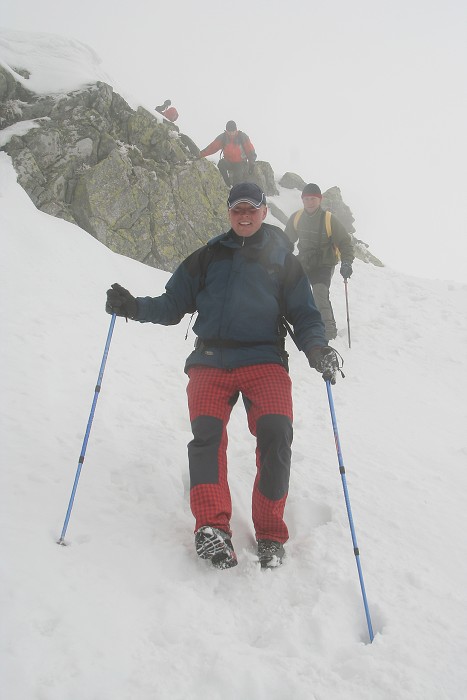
<point>267,396</point>
<point>233,173</point>
<point>320,280</point>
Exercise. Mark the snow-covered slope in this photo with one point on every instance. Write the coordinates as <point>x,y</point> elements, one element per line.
<point>126,610</point>
<point>56,65</point>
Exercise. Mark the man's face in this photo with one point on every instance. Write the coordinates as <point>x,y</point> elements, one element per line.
<point>311,203</point>
<point>245,219</point>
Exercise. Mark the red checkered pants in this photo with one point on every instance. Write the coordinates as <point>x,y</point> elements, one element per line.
<point>267,395</point>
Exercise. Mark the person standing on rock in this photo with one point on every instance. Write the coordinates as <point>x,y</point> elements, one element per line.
<point>242,284</point>
<point>322,242</point>
<point>237,154</point>
<point>168,111</point>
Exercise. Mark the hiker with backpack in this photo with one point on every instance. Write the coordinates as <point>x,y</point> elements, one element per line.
<point>242,283</point>
<point>168,111</point>
<point>322,242</point>
<point>237,154</point>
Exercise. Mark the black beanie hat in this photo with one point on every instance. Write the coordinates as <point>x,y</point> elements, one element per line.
<point>311,189</point>
<point>231,126</point>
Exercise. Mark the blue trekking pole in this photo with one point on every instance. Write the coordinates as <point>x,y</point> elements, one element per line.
<point>349,510</point>
<point>88,430</point>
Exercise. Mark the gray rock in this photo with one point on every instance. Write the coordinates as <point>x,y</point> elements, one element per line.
<point>129,180</point>
<point>263,176</point>
<point>291,181</point>
<point>278,213</point>
<point>332,200</point>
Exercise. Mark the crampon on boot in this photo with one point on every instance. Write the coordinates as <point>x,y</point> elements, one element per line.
<point>215,545</point>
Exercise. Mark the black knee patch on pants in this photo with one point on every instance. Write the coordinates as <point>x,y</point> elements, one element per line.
<point>274,434</point>
<point>203,450</point>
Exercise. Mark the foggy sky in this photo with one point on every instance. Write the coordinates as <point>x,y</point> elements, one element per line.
<point>367,96</point>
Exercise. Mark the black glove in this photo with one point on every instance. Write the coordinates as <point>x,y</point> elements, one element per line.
<point>121,302</point>
<point>346,270</point>
<point>325,361</point>
<point>251,163</point>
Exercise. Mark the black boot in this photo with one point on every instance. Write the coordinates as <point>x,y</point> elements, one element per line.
<point>215,545</point>
<point>270,553</point>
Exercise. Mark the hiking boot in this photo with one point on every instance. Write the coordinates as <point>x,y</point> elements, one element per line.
<point>215,545</point>
<point>270,553</point>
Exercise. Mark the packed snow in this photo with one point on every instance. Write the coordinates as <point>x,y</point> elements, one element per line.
<point>126,611</point>
<point>56,65</point>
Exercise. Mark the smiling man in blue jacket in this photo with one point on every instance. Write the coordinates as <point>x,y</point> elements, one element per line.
<point>243,283</point>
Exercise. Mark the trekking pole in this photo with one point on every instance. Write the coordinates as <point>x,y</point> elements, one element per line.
<point>347,307</point>
<point>88,430</point>
<point>349,510</point>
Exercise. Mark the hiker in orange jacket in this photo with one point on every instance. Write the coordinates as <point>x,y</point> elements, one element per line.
<point>237,154</point>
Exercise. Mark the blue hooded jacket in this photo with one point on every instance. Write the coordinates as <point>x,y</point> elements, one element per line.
<point>240,287</point>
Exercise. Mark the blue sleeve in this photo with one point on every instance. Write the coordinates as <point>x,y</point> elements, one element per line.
<point>179,299</point>
<point>300,308</point>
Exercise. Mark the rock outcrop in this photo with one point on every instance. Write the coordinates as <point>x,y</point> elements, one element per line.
<point>129,178</point>
<point>124,176</point>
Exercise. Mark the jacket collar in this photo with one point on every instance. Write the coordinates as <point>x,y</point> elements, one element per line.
<point>231,240</point>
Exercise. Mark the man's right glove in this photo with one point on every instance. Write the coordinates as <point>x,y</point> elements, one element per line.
<point>121,302</point>
<point>325,361</point>
<point>251,163</point>
<point>346,270</point>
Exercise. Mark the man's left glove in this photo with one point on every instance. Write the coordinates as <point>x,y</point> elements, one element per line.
<point>325,361</point>
<point>121,302</point>
<point>346,270</point>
